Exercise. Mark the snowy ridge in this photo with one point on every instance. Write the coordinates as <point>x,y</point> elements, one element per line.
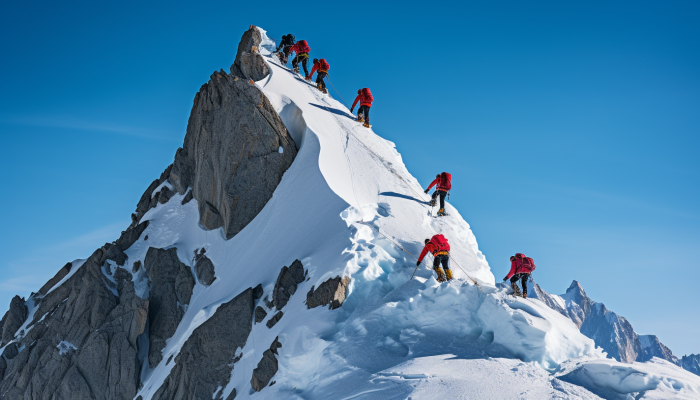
<point>344,179</point>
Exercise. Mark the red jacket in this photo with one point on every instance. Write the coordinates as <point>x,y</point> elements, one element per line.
<point>300,47</point>
<point>433,248</point>
<point>516,266</point>
<point>439,185</point>
<point>320,66</point>
<point>364,97</point>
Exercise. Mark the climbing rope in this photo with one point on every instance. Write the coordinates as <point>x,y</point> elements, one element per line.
<point>328,76</point>
<point>416,258</point>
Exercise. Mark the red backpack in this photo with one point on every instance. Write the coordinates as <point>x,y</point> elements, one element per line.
<point>440,242</point>
<point>367,95</point>
<point>526,263</point>
<point>323,64</point>
<point>446,180</point>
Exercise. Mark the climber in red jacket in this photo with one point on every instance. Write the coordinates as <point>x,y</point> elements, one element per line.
<point>520,269</point>
<point>440,249</point>
<point>444,185</point>
<point>302,49</point>
<point>364,96</point>
<point>322,67</point>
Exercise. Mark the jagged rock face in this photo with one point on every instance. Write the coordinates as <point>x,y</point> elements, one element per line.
<point>330,293</point>
<point>249,64</point>
<point>652,347</point>
<point>148,200</point>
<point>131,235</point>
<point>260,314</point>
<point>57,278</point>
<point>690,363</point>
<point>235,152</point>
<point>204,269</point>
<point>286,284</point>
<point>203,363</point>
<point>102,331</point>
<point>13,320</point>
<point>275,319</point>
<point>171,284</point>
<point>267,367</point>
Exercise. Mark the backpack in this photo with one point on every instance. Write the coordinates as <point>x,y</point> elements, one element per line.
<point>446,180</point>
<point>367,95</point>
<point>291,38</point>
<point>526,263</point>
<point>440,242</point>
<point>323,64</point>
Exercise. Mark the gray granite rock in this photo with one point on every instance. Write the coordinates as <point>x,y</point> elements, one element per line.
<point>131,235</point>
<point>267,367</point>
<point>205,270</point>
<point>101,329</point>
<point>62,273</point>
<point>249,64</point>
<point>171,289</point>
<point>330,293</point>
<point>114,253</point>
<point>260,314</point>
<point>148,200</point>
<point>231,157</point>
<point>204,362</point>
<point>13,320</point>
<point>275,319</point>
<point>286,285</point>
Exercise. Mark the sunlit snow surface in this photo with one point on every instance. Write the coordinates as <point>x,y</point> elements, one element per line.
<point>392,338</point>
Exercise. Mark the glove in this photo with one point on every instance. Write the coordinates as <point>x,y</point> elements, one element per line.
<point>351,110</point>
<point>418,264</point>
<point>505,279</point>
<point>426,191</point>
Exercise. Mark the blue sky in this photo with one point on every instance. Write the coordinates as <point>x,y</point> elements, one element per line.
<point>571,129</point>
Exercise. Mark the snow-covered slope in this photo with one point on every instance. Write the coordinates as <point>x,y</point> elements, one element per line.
<point>347,207</point>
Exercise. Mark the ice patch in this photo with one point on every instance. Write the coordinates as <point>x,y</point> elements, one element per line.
<point>64,347</point>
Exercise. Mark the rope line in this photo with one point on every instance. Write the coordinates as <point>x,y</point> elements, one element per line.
<point>414,257</point>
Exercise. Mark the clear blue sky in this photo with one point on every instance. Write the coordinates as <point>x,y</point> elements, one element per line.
<point>571,129</point>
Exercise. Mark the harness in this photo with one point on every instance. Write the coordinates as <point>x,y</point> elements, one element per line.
<point>303,55</point>
<point>323,70</point>
<point>441,253</point>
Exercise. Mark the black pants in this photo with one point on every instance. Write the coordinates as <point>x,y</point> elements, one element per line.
<point>523,280</point>
<point>304,58</point>
<point>285,51</point>
<point>444,260</point>
<point>364,109</point>
<point>442,194</point>
<point>319,79</point>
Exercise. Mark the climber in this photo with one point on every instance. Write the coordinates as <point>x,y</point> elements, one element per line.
<point>444,185</point>
<point>302,49</point>
<point>441,252</point>
<point>520,269</point>
<point>286,44</point>
<point>364,96</point>
<point>322,67</point>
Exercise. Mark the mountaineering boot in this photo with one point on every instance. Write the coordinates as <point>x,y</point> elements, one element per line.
<point>440,275</point>
<point>359,117</point>
<point>441,213</point>
<point>448,274</point>
<point>524,295</point>
<point>432,202</point>
<point>296,70</point>
<point>366,124</point>
<point>516,289</point>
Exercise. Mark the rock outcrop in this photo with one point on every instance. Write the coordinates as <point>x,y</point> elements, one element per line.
<point>286,284</point>
<point>148,199</point>
<point>171,289</point>
<point>267,367</point>
<point>236,147</point>
<point>100,328</point>
<point>62,273</point>
<point>260,314</point>
<point>131,235</point>
<point>652,347</point>
<point>691,363</point>
<point>203,363</point>
<point>330,293</point>
<point>204,269</point>
<point>249,64</point>
<point>275,319</point>
<point>13,320</point>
